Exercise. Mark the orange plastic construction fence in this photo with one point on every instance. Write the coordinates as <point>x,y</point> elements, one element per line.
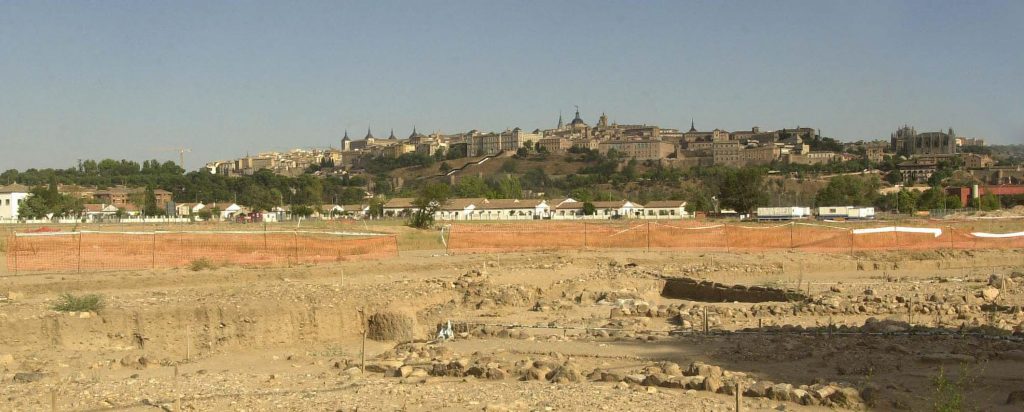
<point>89,251</point>
<point>690,235</point>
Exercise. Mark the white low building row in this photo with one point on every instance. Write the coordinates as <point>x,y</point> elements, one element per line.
<point>531,209</point>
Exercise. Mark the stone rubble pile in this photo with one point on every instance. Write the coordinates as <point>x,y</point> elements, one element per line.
<point>417,361</point>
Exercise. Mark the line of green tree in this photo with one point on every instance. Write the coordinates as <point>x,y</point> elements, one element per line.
<point>262,190</point>
<point>602,177</point>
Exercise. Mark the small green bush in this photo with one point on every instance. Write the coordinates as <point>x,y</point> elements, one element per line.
<point>201,264</point>
<point>85,303</point>
<point>949,394</point>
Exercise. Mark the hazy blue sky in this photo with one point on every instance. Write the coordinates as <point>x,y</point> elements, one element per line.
<point>95,79</point>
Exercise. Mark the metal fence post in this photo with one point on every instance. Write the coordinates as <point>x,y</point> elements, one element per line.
<point>648,236</point>
<point>584,235</point>
<point>295,246</point>
<point>792,227</point>
<point>79,252</point>
<point>153,251</point>
<point>725,234</point>
<point>448,244</point>
<point>15,247</point>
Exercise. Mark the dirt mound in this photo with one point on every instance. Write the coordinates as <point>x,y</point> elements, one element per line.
<point>383,326</point>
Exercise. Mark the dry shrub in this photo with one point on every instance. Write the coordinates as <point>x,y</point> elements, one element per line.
<point>85,303</point>
<point>201,264</point>
<point>390,326</point>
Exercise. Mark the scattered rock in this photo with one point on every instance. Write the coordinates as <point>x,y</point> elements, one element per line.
<point>656,379</point>
<point>636,379</point>
<point>135,362</point>
<point>997,281</point>
<point>671,369</point>
<point>847,398</point>
<point>537,374</point>
<point>989,294</point>
<point>703,369</point>
<point>28,377</point>
<point>759,389</point>
<point>712,383</point>
<point>780,391</point>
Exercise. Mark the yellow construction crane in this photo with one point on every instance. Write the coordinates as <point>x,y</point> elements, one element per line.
<point>181,154</point>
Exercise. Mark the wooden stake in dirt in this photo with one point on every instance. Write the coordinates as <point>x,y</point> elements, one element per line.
<point>177,391</point>
<point>739,396</point>
<point>188,345</point>
<point>705,320</point>
<point>910,311</point>
<point>362,352</point>
<point>53,400</point>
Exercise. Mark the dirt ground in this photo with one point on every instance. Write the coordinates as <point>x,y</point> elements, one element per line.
<point>585,330</point>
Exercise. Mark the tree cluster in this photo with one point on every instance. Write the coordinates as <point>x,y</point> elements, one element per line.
<point>46,201</point>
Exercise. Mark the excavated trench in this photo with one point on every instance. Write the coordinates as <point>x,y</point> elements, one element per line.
<point>707,291</point>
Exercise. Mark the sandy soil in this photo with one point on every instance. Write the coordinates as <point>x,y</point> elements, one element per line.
<point>290,338</point>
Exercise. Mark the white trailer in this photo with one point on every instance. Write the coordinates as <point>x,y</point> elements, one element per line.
<point>846,212</point>
<point>860,213</point>
<point>783,213</point>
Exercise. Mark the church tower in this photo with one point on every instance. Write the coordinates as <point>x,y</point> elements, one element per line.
<point>346,143</point>
<point>369,136</point>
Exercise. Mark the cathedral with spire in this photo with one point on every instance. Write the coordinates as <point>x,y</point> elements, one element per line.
<point>906,141</point>
<point>604,130</point>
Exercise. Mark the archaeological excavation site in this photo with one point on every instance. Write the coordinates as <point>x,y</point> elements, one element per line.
<point>598,329</point>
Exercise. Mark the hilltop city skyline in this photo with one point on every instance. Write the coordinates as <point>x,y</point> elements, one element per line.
<point>127,80</point>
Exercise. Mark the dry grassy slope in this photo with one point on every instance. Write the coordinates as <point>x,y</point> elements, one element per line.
<point>554,166</point>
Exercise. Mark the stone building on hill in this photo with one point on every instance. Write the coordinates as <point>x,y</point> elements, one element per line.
<point>906,141</point>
